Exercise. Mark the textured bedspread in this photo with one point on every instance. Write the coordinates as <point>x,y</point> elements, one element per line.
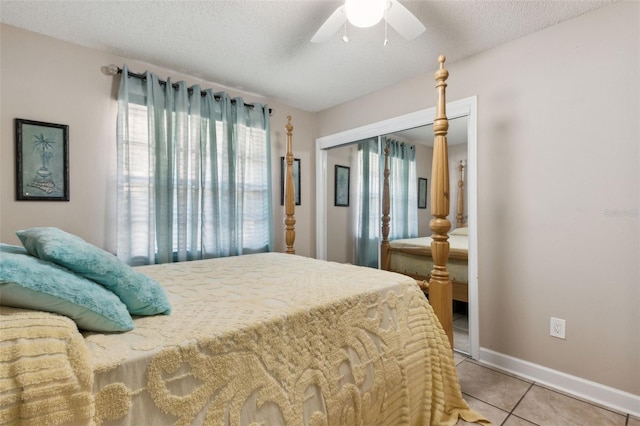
<point>275,339</point>
<point>45,378</point>
<point>266,339</point>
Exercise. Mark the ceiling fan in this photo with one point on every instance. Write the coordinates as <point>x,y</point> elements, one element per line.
<point>367,13</point>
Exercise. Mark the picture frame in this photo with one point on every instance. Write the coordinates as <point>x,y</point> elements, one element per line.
<point>296,180</point>
<point>42,161</point>
<point>422,193</point>
<point>342,181</point>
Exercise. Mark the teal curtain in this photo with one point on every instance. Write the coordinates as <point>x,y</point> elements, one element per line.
<point>403,195</point>
<point>194,173</point>
<point>403,189</point>
<point>369,200</point>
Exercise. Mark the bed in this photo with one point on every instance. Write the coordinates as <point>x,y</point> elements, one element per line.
<point>412,256</point>
<point>259,339</point>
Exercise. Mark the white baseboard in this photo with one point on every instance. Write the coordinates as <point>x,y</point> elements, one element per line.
<point>606,396</point>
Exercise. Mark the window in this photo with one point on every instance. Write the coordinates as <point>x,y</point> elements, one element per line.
<point>193,182</point>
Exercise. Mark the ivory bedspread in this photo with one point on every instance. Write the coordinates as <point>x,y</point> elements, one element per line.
<point>45,378</point>
<point>279,339</point>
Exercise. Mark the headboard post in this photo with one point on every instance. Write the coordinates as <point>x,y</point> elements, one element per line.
<point>440,287</point>
<point>289,194</point>
<point>460,210</point>
<point>386,207</point>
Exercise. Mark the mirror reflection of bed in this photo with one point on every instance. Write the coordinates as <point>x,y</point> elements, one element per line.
<point>355,232</point>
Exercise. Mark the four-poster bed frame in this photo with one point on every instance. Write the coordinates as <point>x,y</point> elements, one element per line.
<point>289,193</point>
<point>438,283</point>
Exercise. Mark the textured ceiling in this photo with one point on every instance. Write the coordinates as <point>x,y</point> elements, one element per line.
<point>263,47</point>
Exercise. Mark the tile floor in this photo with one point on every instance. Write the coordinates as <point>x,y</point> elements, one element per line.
<point>511,401</point>
<point>461,333</point>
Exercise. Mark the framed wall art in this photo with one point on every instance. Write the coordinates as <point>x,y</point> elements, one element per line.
<point>342,186</point>
<point>42,161</point>
<point>422,193</point>
<point>296,180</point>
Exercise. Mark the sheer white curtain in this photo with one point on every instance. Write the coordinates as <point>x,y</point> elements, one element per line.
<point>369,199</point>
<point>194,173</point>
<point>403,190</point>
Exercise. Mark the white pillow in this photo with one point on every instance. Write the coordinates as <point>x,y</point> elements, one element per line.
<point>460,231</point>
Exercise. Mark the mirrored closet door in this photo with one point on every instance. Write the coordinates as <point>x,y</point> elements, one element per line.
<point>351,232</point>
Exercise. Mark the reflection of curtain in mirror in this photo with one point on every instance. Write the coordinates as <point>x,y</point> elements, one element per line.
<point>403,193</point>
<point>403,190</point>
<point>368,219</point>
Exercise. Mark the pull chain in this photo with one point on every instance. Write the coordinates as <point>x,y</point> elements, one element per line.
<point>386,40</point>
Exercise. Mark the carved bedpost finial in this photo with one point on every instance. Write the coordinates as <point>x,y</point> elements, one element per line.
<point>289,193</point>
<point>289,127</point>
<point>440,287</point>
<point>440,124</point>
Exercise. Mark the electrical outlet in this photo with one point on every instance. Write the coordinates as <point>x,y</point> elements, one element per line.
<point>557,328</point>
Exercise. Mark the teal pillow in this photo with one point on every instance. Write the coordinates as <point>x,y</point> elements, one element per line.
<point>141,294</point>
<point>31,283</point>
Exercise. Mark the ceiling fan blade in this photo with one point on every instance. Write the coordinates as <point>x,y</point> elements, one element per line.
<point>330,26</point>
<point>403,21</point>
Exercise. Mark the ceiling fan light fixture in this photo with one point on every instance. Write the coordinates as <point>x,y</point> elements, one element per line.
<point>364,13</point>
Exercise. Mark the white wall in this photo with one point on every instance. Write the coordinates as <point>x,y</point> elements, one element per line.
<point>44,79</point>
<point>558,189</point>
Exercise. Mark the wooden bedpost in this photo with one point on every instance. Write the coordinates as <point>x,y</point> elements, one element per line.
<point>289,193</point>
<point>440,287</point>
<point>386,207</point>
<point>460,212</point>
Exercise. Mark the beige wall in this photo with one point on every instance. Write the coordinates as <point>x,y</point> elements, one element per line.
<point>558,189</point>
<point>48,80</point>
<point>341,235</point>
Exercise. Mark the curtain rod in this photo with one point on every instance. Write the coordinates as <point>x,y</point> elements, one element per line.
<point>114,69</point>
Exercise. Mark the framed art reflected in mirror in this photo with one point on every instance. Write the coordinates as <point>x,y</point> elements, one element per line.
<point>342,186</point>
<point>422,193</point>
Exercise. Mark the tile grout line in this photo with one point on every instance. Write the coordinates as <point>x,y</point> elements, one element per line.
<point>487,403</point>
<point>509,413</point>
<point>518,403</point>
